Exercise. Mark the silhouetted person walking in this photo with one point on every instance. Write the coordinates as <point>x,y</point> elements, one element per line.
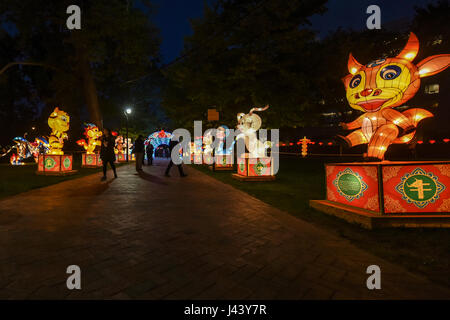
<point>172,144</point>
<point>107,152</point>
<point>150,154</point>
<point>139,151</point>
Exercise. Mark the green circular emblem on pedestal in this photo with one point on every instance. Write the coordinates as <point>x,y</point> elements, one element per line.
<point>260,168</point>
<point>89,159</point>
<point>224,161</point>
<point>242,166</point>
<point>420,187</point>
<point>66,163</point>
<point>350,184</point>
<point>49,163</point>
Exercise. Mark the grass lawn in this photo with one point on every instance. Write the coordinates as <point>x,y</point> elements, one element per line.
<point>17,179</point>
<point>424,251</point>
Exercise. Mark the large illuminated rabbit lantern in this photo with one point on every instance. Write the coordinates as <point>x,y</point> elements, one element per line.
<point>248,125</point>
<point>378,87</point>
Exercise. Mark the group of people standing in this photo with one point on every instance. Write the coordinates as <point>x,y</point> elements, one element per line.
<point>108,156</point>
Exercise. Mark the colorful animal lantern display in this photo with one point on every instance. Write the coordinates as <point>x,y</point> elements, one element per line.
<point>380,86</point>
<point>121,149</point>
<point>254,165</point>
<point>385,193</point>
<point>197,151</point>
<point>304,143</point>
<point>23,149</point>
<point>55,162</point>
<point>90,158</point>
<point>59,123</point>
<point>39,146</point>
<point>93,135</point>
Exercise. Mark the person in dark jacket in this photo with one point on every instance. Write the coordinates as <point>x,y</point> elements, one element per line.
<point>150,149</point>
<point>139,151</point>
<point>107,152</point>
<point>173,142</point>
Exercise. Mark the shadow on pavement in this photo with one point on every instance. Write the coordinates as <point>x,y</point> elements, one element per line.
<point>150,178</point>
<point>93,189</point>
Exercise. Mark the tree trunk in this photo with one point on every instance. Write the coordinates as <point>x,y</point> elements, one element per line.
<point>90,89</point>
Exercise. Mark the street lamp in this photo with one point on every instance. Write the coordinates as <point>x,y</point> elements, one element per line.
<point>127,112</point>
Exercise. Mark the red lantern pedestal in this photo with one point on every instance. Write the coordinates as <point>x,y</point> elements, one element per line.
<point>91,160</point>
<point>55,165</point>
<point>254,169</point>
<point>223,162</point>
<point>207,158</point>
<point>121,157</point>
<point>196,158</point>
<point>388,194</point>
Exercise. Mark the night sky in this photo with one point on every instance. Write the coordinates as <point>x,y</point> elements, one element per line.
<point>173,18</point>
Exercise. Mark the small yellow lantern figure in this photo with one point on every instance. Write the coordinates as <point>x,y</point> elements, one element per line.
<point>90,159</point>
<point>59,123</point>
<point>93,135</point>
<point>304,142</point>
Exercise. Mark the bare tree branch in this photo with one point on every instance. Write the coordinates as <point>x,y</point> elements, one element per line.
<point>24,63</point>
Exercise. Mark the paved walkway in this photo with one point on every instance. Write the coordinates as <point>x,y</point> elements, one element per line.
<point>152,237</point>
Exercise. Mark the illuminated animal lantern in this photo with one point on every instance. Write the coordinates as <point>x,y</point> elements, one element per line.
<point>248,125</point>
<point>119,149</point>
<point>378,87</point>
<point>22,151</point>
<point>93,135</point>
<point>59,123</point>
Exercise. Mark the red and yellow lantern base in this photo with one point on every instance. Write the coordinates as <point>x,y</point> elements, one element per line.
<point>121,157</point>
<point>197,158</point>
<point>389,194</point>
<point>223,162</point>
<point>91,160</point>
<point>254,169</point>
<point>55,165</point>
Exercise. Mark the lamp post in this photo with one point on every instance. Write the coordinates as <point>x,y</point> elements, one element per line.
<point>127,112</point>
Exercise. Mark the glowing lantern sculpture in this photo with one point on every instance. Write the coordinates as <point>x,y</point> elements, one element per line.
<point>90,159</point>
<point>158,138</point>
<point>119,149</point>
<point>196,151</point>
<point>378,87</point>
<point>23,151</point>
<point>304,142</point>
<point>254,165</point>
<point>382,193</point>
<point>55,162</point>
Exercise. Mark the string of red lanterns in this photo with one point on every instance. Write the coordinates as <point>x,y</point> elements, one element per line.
<point>321,143</point>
